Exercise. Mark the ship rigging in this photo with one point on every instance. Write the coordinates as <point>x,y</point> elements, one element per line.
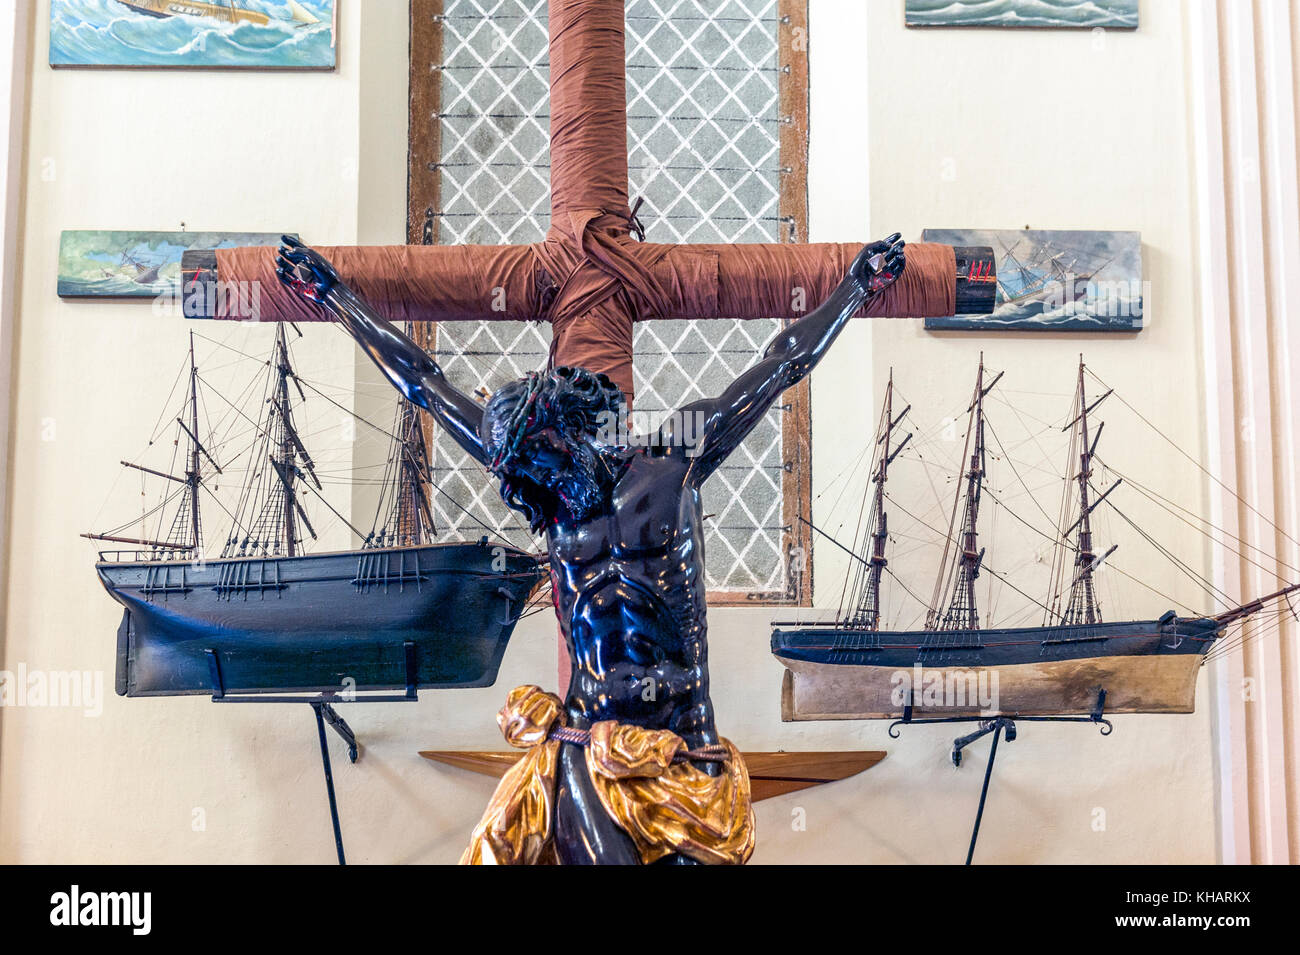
<point>843,668</point>
<point>268,613</point>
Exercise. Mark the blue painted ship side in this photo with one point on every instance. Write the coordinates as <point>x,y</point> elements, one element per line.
<point>318,622</point>
<point>996,647</point>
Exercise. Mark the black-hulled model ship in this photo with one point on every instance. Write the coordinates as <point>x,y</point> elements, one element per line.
<point>265,616</point>
<point>853,669</point>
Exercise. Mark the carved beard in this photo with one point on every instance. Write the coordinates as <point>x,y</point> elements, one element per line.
<point>581,488</point>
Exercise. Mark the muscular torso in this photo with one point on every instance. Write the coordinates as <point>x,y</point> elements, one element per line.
<point>630,595</point>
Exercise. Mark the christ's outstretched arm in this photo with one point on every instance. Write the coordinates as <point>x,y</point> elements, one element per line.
<point>403,362</point>
<point>787,360</point>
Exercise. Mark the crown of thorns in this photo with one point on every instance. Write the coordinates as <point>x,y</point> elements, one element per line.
<point>574,397</point>
<point>517,425</point>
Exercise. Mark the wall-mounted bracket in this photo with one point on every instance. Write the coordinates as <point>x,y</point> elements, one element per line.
<point>998,726</point>
<point>323,709</point>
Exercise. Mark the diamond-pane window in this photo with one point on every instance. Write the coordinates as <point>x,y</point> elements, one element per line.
<point>703,151</point>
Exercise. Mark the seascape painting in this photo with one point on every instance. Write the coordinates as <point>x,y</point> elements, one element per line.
<point>111,264</point>
<point>205,34</point>
<point>1054,280</point>
<point>1079,14</point>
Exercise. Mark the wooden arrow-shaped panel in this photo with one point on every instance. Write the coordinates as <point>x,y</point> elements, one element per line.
<point>770,774</point>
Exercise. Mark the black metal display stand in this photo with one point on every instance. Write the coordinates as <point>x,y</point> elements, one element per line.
<point>322,705</point>
<point>999,726</point>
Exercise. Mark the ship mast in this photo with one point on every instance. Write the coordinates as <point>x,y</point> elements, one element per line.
<point>414,518</point>
<point>185,534</point>
<point>286,445</point>
<point>962,612</point>
<point>867,616</point>
<point>187,527</point>
<point>404,500</point>
<point>192,475</point>
<point>286,449</point>
<point>1083,607</point>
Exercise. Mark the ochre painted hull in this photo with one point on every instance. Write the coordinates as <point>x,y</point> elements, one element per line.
<point>161,9</point>
<point>1153,683</point>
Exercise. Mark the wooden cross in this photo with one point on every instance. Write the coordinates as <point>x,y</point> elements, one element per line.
<point>589,277</point>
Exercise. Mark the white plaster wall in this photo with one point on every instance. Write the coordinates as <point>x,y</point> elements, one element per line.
<point>324,154</point>
<point>1002,129</point>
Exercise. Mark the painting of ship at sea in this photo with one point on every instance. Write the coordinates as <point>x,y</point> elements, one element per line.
<point>220,34</point>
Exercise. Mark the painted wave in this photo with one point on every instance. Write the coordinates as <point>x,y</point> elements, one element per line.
<point>1122,14</point>
<point>1122,314</point>
<point>91,262</point>
<point>107,33</point>
<point>120,286</point>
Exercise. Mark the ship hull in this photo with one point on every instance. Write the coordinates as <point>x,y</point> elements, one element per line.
<point>1143,667</point>
<point>162,9</point>
<point>336,621</point>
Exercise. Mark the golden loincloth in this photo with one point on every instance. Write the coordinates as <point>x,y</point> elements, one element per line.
<point>665,807</point>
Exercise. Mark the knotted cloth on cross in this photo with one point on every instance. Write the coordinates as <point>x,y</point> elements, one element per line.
<point>588,276</point>
<point>591,280</point>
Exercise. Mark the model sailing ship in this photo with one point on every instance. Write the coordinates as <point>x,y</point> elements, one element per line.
<point>1075,663</point>
<point>267,615</point>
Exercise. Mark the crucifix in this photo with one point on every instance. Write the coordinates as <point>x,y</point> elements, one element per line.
<point>629,767</point>
<point>590,277</point>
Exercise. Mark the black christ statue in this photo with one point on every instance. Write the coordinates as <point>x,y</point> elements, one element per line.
<point>623,523</point>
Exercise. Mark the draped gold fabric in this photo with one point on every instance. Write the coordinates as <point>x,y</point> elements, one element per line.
<point>665,807</point>
<point>671,807</point>
<point>516,826</point>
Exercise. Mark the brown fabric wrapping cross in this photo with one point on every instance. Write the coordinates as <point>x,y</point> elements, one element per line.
<point>589,277</point>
